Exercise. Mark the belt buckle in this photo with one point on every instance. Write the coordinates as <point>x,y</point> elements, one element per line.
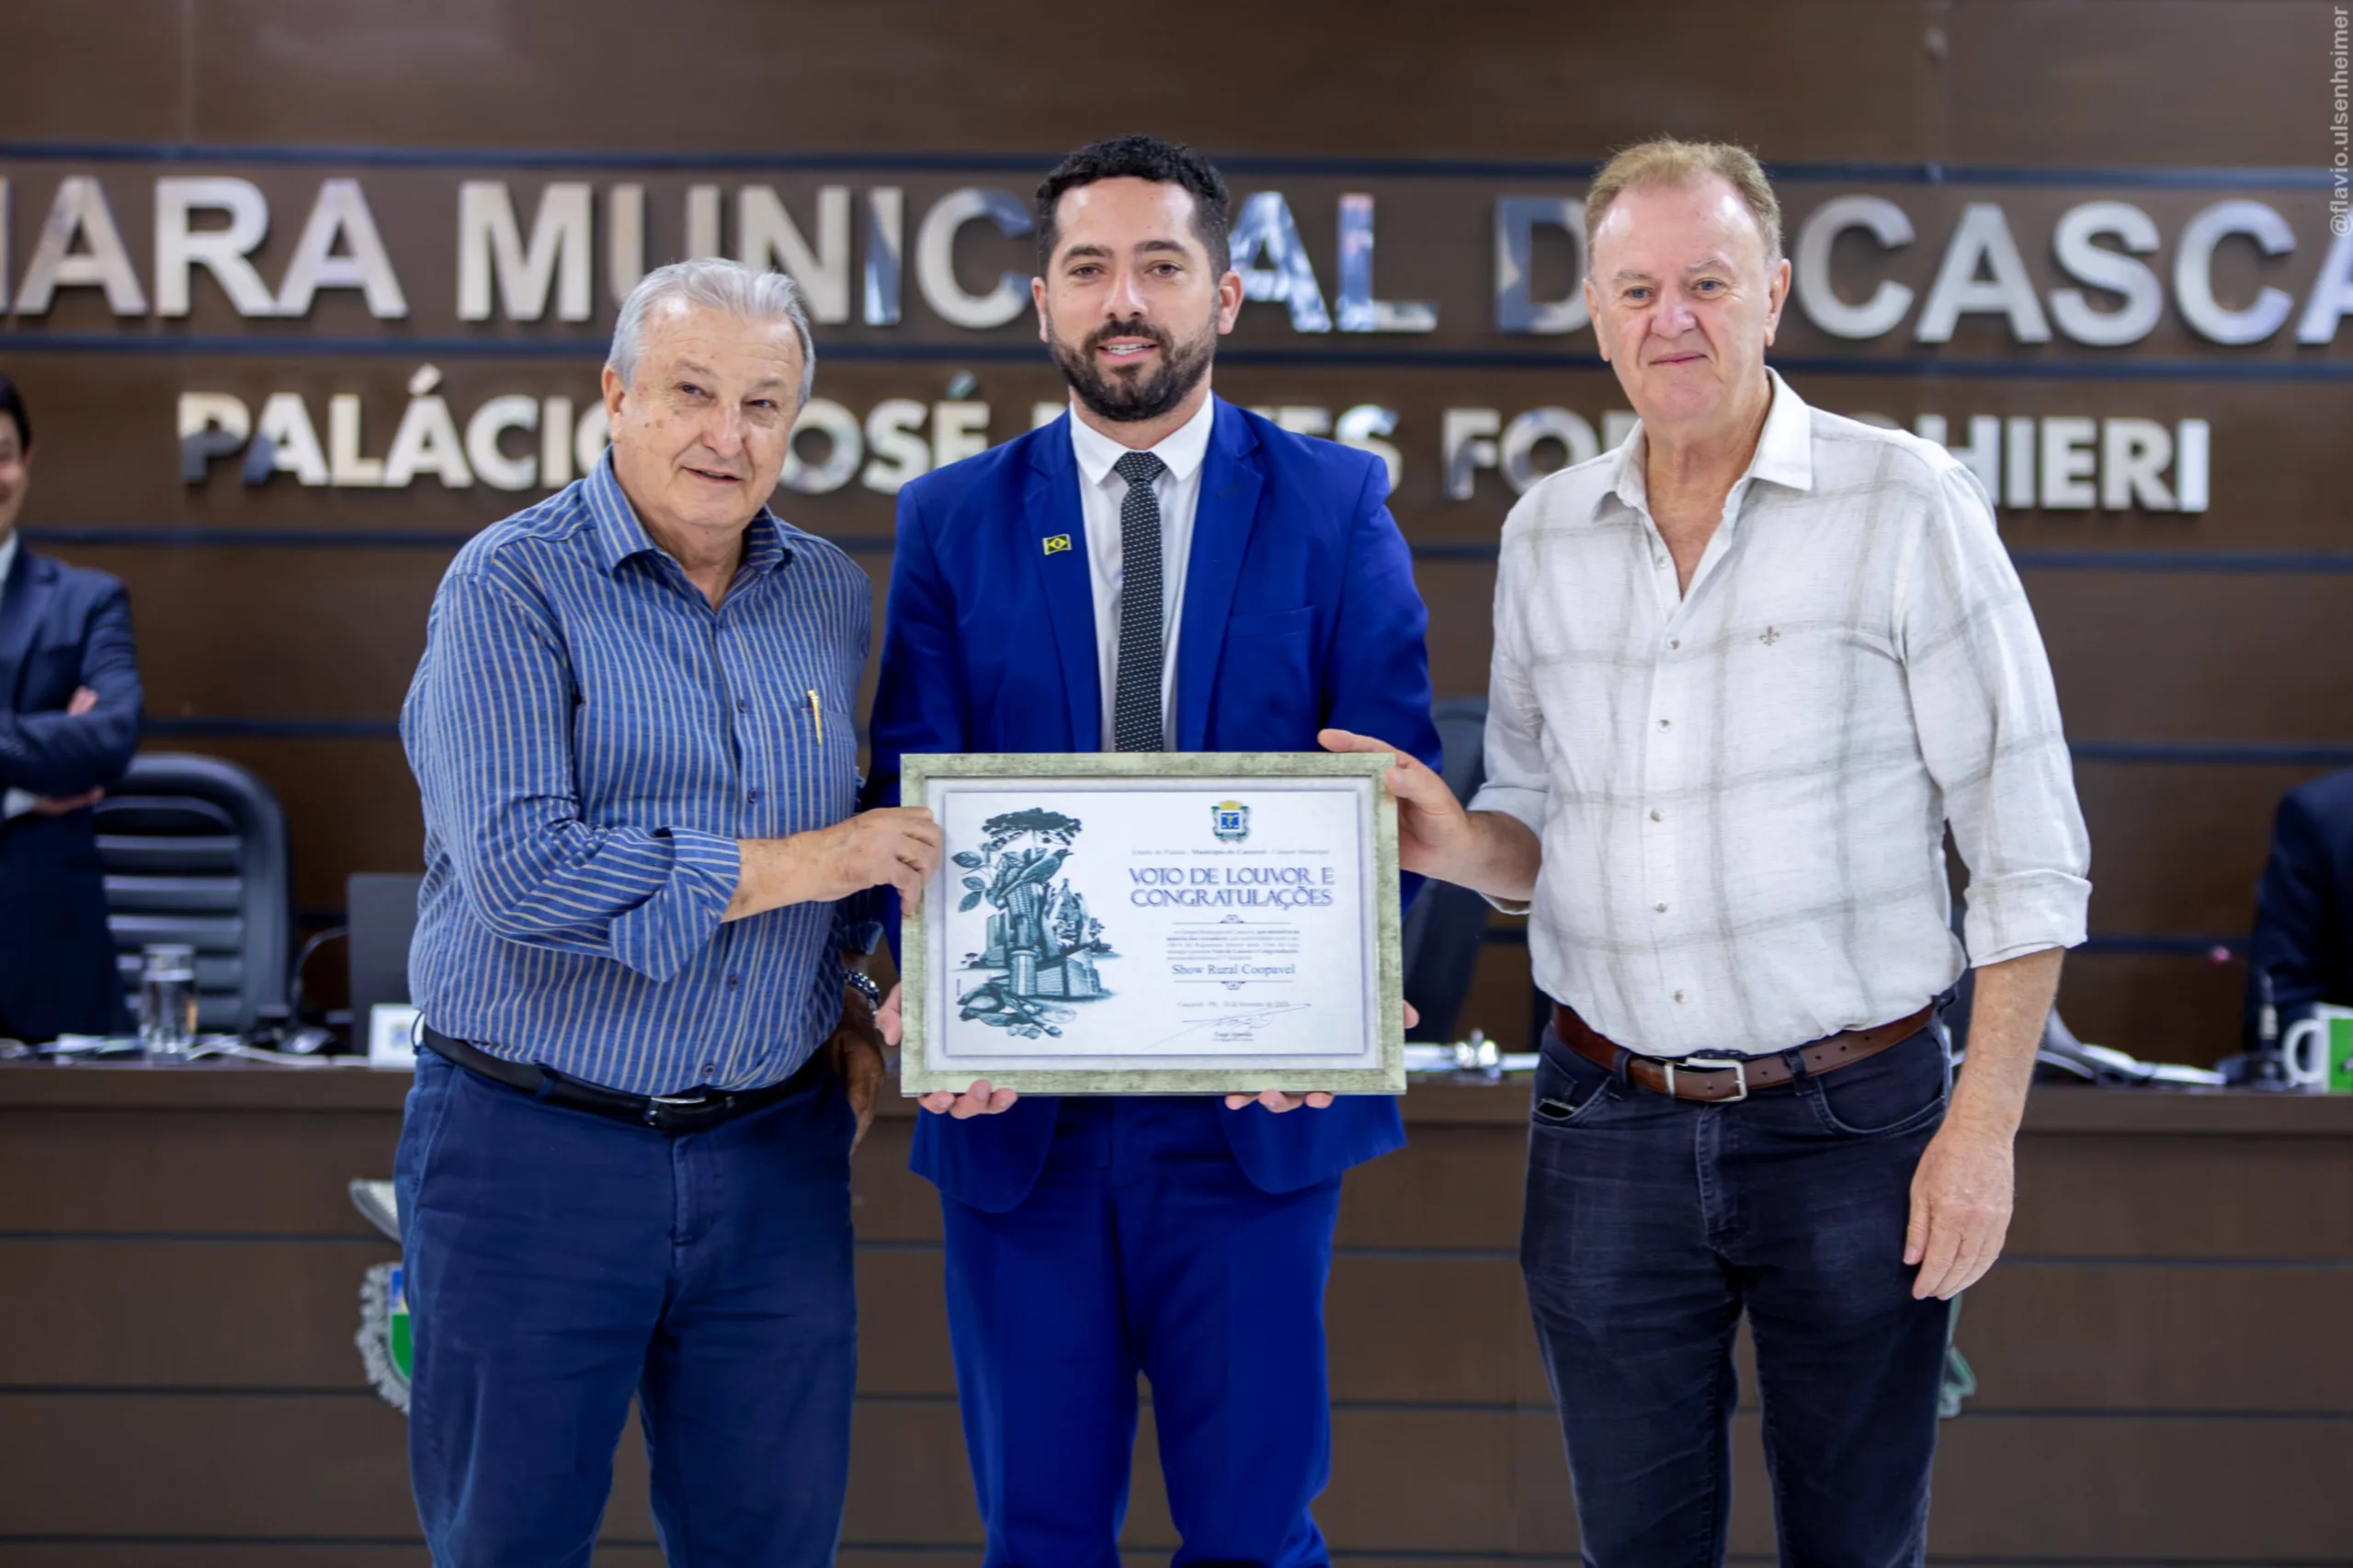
<point>656,1104</point>
<point>1733,1064</point>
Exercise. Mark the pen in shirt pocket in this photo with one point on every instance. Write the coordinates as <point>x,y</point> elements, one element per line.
<point>816,715</point>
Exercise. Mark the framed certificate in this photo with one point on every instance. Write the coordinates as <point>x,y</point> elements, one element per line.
<point>1157,923</point>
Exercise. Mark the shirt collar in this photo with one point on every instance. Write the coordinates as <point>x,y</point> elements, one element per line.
<point>1784,452</point>
<point>8,554</point>
<point>620,535</point>
<point>1182,449</point>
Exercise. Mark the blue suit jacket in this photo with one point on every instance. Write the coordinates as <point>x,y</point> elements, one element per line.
<point>2304,913</point>
<point>61,626</point>
<point>1299,613</point>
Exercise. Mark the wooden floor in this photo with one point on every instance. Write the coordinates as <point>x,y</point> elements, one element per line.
<point>2166,1357</point>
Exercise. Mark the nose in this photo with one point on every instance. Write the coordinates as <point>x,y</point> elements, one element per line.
<point>1672,316</point>
<point>1125,298</point>
<point>722,430</point>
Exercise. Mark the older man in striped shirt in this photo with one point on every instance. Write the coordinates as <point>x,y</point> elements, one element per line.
<point>624,1168</point>
<point>1748,668</point>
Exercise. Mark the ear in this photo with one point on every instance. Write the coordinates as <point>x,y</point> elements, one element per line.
<point>1776,294</point>
<point>616,390</point>
<point>1038,298</point>
<point>1593,314</point>
<point>1228,300</point>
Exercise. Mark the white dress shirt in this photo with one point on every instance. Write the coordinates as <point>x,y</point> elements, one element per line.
<point>14,802</point>
<point>1100,493</point>
<point>1741,791</point>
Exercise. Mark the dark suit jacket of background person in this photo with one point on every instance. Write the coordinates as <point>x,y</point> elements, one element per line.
<point>61,626</point>
<point>2304,907</point>
<point>1299,613</point>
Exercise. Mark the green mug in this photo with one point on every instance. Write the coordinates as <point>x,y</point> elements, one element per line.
<point>2317,1052</point>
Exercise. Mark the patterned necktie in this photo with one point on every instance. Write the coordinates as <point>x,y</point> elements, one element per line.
<point>1135,701</point>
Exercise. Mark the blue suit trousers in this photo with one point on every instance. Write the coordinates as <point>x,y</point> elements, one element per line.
<point>1143,1247</point>
<point>559,1262</point>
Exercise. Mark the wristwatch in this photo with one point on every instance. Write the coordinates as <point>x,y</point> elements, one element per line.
<point>864,984</point>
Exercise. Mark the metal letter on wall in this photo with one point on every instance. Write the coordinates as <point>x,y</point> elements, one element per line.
<point>180,246</point>
<point>1818,296</point>
<point>2193,272</point>
<point>935,259</point>
<point>1264,229</point>
<point>490,242</point>
<point>80,210</point>
<point>1359,311</point>
<point>767,237</point>
<point>1516,308</point>
<point>886,207</point>
<point>341,213</point>
<point>2144,296</point>
<point>1982,239</point>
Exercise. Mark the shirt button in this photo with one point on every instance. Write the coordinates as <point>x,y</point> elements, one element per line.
<point>1657,815</point>
<point>1675,642</point>
<point>1666,724</point>
<point>710,1072</point>
<point>735,979</point>
<point>742,706</point>
<point>751,797</point>
<point>1662,909</point>
<point>1678,995</point>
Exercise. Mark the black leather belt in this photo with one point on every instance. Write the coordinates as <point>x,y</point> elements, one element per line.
<point>664,1113</point>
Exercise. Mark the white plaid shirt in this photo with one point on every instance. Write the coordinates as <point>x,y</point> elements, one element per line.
<point>1741,792</point>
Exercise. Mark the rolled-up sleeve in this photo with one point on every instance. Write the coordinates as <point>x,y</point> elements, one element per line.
<point>1988,722</point>
<point>1518,783</point>
<point>488,731</point>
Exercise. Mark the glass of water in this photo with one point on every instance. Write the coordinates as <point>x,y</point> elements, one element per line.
<point>168,1001</point>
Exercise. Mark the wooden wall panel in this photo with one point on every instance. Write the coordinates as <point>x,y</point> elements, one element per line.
<point>837,77</point>
<point>2028,78</point>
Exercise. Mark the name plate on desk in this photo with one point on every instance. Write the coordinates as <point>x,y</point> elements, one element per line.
<point>1157,923</point>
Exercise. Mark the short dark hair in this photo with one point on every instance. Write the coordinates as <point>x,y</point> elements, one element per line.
<point>1141,157</point>
<point>11,403</point>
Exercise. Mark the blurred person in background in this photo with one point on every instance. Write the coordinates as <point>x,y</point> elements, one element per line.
<point>2304,907</point>
<point>70,710</point>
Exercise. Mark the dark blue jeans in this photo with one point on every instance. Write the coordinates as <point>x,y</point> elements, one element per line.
<point>1652,1223</point>
<point>559,1262</point>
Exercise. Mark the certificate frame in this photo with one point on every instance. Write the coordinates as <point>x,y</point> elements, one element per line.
<point>1370,1056</point>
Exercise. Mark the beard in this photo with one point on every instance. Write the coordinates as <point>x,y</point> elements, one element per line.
<point>1132,396</point>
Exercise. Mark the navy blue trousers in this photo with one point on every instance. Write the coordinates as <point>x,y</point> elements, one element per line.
<point>1144,1248</point>
<point>559,1262</point>
<point>1652,1223</point>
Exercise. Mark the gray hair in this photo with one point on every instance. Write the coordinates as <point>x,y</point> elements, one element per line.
<point>743,292</point>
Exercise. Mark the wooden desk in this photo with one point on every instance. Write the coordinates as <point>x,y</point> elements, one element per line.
<point>2166,1357</point>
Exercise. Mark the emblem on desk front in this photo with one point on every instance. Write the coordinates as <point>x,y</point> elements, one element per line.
<point>1057,543</point>
<point>1230,820</point>
<point>386,1346</point>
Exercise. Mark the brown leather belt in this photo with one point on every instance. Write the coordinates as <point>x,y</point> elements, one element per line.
<point>1723,1080</point>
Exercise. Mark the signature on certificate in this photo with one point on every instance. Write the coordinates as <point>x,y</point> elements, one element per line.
<point>1241,1026</point>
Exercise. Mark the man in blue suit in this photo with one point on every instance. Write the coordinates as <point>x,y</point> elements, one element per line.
<point>69,722</point>
<point>2303,910</point>
<point>1157,570</point>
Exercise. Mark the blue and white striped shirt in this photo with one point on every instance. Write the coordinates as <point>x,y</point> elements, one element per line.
<point>591,738</point>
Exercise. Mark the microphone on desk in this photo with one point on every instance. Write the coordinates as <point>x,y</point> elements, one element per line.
<point>2259,1067</point>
